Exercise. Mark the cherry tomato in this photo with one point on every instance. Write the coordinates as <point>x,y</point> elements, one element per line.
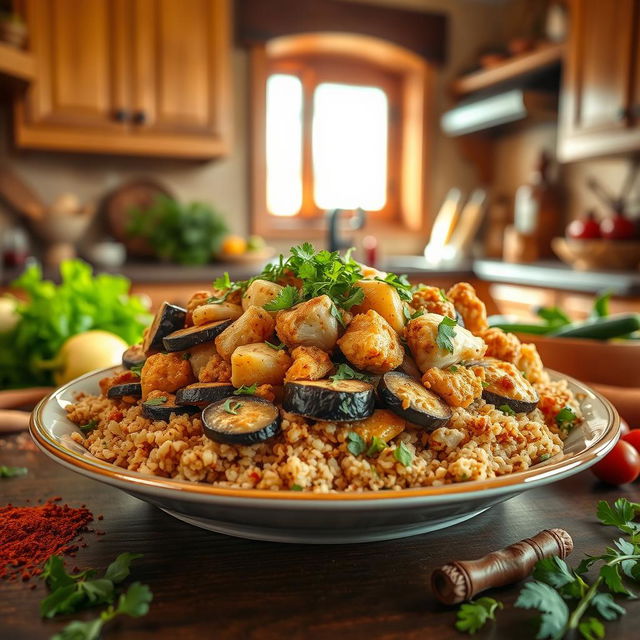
<point>617,228</point>
<point>620,466</point>
<point>633,438</point>
<point>624,427</point>
<point>584,229</point>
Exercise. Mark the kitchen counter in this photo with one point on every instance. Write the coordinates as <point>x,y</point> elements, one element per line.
<point>209,585</point>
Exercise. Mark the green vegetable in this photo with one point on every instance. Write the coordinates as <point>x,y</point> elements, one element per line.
<point>601,328</point>
<point>183,233</point>
<point>52,314</point>
<point>136,369</point>
<point>275,347</point>
<point>507,410</point>
<point>232,408</point>
<point>566,419</point>
<point>345,372</point>
<point>287,298</point>
<point>246,391</point>
<point>553,316</point>
<point>12,472</point>
<point>446,334</point>
<point>90,426</point>
<point>601,306</point>
<point>154,402</point>
<point>523,327</point>
<point>296,487</point>
<point>473,615</point>
<point>400,283</point>
<point>443,295</point>
<point>356,444</point>
<point>376,446</point>
<point>403,455</point>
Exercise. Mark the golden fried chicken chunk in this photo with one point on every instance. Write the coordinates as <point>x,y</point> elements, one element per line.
<point>501,345</point>
<point>458,386</point>
<point>433,300</point>
<point>309,363</point>
<point>371,344</point>
<point>216,369</point>
<point>469,306</point>
<point>165,372</point>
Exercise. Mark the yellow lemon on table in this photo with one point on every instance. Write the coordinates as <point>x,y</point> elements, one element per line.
<point>234,246</point>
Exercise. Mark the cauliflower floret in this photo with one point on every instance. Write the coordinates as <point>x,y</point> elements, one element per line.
<point>433,300</point>
<point>457,385</point>
<point>165,372</point>
<point>309,363</point>
<point>309,324</point>
<point>469,306</point>
<point>371,344</point>
<point>501,345</point>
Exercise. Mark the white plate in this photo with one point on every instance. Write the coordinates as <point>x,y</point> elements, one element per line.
<point>292,516</point>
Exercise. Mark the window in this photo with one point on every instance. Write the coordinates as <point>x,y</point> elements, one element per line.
<point>338,123</point>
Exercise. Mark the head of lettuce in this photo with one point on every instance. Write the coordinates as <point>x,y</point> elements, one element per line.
<point>38,349</point>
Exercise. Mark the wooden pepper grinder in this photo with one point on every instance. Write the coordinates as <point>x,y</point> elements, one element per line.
<point>459,581</point>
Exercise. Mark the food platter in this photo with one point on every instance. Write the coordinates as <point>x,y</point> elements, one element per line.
<point>334,517</point>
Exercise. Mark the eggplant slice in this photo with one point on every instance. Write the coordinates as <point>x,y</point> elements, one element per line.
<point>192,336</point>
<point>168,319</point>
<point>134,357</point>
<point>203,393</point>
<point>504,384</point>
<point>408,398</point>
<point>339,401</point>
<point>164,410</point>
<point>241,420</point>
<point>133,389</point>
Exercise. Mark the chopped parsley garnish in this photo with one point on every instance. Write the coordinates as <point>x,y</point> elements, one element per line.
<point>545,456</point>
<point>443,295</point>
<point>152,402</point>
<point>408,316</point>
<point>473,615</point>
<point>566,419</point>
<point>12,472</point>
<point>275,347</point>
<point>485,385</point>
<point>453,368</point>
<point>232,408</point>
<point>355,443</point>
<point>287,298</point>
<point>137,369</point>
<point>345,372</point>
<point>296,487</point>
<point>507,410</point>
<point>376,446</point>
<point>400,283</point>
<point>446,334</point>
<point>90,426</point>
<point>224,282</point>
<point>246,391</point>
<point>403,455</point>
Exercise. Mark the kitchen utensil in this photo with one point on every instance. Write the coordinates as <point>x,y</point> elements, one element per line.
<point>443,226</point>
<point>19,196</point>
<point>13,421</point>
<point>14,398</point>
<point>468,224</point>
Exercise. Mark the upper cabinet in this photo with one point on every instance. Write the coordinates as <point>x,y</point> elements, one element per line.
<point>139,77</point>
<point>600,105</point>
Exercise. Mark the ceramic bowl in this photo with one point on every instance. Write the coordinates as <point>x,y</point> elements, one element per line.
<point>292,516</point>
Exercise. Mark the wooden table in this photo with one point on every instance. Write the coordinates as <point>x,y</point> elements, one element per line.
<point>208,585</point>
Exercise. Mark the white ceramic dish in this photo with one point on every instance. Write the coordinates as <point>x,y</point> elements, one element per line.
<point>291,516</point>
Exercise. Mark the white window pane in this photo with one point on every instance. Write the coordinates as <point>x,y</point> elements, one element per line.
<point>350,131</point>
<point>284,145</point>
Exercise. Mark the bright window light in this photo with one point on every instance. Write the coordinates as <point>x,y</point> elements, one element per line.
<point>284,145</point>
<point>349,142</point>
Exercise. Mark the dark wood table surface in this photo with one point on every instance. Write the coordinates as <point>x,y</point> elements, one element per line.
<point>208,585</point>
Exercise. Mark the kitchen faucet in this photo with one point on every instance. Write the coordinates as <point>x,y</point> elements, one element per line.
<point>357,221</point>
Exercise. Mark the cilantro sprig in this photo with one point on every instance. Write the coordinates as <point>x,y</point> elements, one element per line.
<point>246,391</point>
<point>12,472</point>
<point>232,407</point>
<point>473,615</point>
<point>566,419</point>
<point>446,333</point>
<point>345,372</point>
<point>400,283</point>
<point>288,297</point>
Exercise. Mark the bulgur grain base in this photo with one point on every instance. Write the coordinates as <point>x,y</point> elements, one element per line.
<point>479,442</point>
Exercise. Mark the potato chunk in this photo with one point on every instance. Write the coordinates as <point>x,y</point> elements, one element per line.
<point>254,325</point>
<point>421,334</point>
<point>308,324</point>
<point>456,385</point>
<point>371,344</point>
<point>384,299</point>
<point>309,363</point>
<point>259,292</point>
<point>165,372</point>
<point>258,364</point>
<point>206,313</point>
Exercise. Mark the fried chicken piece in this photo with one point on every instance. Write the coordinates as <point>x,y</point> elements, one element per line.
<point>216,370</point>
<point>469,306</point>
<point>266,392</point>
<point>531,364</point>
<point>501,345</point>
<point>165,372</point>
<point>433,300</point>
<point>309,363</point>
<point>458,386</point>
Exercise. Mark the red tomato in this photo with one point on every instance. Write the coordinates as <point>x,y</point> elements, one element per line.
<point>620,466</point>
<point>617,228</point>
<point>584,229</point>
<point>624,427</point>
<point>633,438</point>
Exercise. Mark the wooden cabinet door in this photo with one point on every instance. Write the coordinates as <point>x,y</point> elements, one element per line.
<point>80,50</point>
<point>181,72</point>
<point>601,61</point>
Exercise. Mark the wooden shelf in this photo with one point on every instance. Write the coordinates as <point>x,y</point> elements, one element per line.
<point>511,70</point>
<point>16,63</point>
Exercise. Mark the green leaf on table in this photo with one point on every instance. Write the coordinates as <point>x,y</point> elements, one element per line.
<point>78,630</point>
<point>119,569</point>
<point>473,615</point>
<point>610,575</point>
<point>553,316</point>
<point>607,607</point>
<point>620,514</point>
<point>135,601</point>
<point>12,472</point>
<point>554,572</point>
<point>553,609</point>
<point>591,629</point>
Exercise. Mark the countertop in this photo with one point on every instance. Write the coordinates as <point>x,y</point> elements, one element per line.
<point>208,585</point>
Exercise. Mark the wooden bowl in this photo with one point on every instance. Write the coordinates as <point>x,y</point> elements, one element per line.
<point>591,255</point>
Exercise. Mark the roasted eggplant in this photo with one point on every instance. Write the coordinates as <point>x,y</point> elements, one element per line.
<point>203,393</point>
<point>168,319</point>
<point>339,401</point>
<point>133,389</point>
<point>241,420</point>
<point>133,357</point>
<point>192,336</point>
<point>504,385</point>
<point>155,410</point>
<point>408,398</point>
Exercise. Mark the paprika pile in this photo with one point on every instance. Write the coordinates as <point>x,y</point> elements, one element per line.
<point>29,535</point>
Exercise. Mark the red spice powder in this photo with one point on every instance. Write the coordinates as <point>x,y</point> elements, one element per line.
<point>31,534</point>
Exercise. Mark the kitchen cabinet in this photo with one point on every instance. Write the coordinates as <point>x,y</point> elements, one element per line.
<point>600,105</point>
<point>138,77</point>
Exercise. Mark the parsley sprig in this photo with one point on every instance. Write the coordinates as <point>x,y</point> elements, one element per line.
<point>446,333</point>
<point>473,615</point>
<point>345,372</point>
<point>566,419</point>
<point>246,391</point>
<point>12,472</point>
<point>400,283</point>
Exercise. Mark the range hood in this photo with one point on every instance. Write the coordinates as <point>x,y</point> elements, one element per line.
<point>492,111</point>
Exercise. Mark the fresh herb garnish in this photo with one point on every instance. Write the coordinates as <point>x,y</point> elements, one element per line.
<point>12,472</point>
<point>443,295</point>
<point>345,372</point>
<point>545,456</point>
<point>566,419</point>
<point>90,426</point>
<point>232,408</point>
<point>408,316</point>
<point>376,446</point>
<point>403,455</point>
<point>225,284</point>
<point>473,615</point>
<point>136,369</point>
<point>485,385</point>
<point>400,283</point>
<point>246,391</point>
<point>356,444</point>
<point>287,298</point>
<point>296,487</point>
<point>507,410</point>
<point>153,402</point>
<point>453,368</point>
<point>275,347</point>
<point>446,334</point>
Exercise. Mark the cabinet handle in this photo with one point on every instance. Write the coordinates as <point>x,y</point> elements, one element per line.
<point>139,117</point>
